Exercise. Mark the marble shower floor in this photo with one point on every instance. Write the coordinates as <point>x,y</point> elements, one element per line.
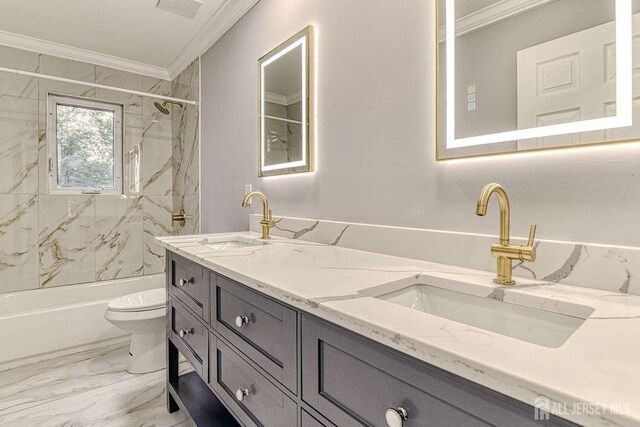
<point>90,388</point>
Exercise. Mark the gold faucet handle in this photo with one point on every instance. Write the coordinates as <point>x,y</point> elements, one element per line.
<point>528,253</point>
<point>272,223</point>
<point>532,235</point>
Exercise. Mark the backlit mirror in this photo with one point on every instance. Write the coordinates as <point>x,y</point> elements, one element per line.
<point>286,101</point>
<point>521,75</point>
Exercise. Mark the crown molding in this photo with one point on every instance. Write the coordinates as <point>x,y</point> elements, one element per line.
<point>490,15</point>
<point>68,52</point>
<point>276,98</point>
<point>294,97</point>
<point>228,14</point>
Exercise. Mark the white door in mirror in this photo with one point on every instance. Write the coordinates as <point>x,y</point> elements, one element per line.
<point>571,79</point>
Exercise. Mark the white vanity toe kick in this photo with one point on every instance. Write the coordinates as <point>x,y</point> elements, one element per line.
<point>595,368</point>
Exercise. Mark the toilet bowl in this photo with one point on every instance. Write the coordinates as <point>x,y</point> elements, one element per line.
<point>143,315</point>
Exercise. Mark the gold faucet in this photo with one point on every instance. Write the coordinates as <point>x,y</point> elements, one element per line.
<point>505,251</point>
<point>267,218</point>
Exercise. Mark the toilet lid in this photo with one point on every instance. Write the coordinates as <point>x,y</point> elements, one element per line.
<point>140,301</point>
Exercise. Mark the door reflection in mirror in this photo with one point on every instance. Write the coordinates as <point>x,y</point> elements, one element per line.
<point>545,73</point>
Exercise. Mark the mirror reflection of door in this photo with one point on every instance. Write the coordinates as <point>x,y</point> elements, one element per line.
<point>573,78</point>
<point>522,65</point>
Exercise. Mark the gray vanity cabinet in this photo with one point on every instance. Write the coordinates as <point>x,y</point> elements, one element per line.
<point>308,420</point>
<point>190,336</point>
<point>261,363</point>
<point>355,382</point>
<point>251,396</point>
<point>263,329</point>
<point>188,282</point>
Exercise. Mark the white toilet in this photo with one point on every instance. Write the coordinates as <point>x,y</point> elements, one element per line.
<point>142,314</point>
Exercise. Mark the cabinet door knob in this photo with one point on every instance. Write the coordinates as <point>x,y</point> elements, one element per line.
<point>396,417</point>
<point>241,321</point>
<point>185,281</point>
<point>242,393</point>
<point>184,332</point>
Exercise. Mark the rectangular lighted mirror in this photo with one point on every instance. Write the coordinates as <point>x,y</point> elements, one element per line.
<point>522,75</point>
<point>286,103</point>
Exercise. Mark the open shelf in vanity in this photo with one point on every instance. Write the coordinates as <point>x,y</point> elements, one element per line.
<point>198,403</point>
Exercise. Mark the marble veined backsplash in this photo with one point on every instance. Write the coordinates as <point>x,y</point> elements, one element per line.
<point>605,267</point>
<point>52,240</point>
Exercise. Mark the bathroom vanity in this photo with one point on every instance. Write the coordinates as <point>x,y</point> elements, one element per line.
<point>265,353</point>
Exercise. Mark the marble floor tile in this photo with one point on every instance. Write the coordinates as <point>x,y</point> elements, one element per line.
<point>84,389</point>
<point>32,385</point>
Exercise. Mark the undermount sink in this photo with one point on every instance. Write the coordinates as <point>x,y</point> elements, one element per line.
<point>224,243</point>
<point>524,322</point>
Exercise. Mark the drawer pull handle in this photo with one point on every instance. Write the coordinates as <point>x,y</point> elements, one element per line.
<point>184,332</point>
<point>242,393</point>
<point>241,321</point>
<point>185,281</point>
<point>396,417</point>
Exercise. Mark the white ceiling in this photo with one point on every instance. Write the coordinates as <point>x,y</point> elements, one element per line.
<point>134,31</point>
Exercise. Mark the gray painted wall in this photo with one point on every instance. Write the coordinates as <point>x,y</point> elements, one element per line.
<point>376,132</point>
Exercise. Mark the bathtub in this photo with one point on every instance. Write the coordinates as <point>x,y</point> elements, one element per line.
<point>42,323</point>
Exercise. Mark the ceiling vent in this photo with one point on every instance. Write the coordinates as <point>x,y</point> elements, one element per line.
<point>186,8</point>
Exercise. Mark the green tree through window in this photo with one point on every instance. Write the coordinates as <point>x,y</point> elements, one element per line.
<point>85,147</point>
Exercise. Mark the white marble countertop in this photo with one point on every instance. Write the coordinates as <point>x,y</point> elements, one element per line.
<point>595,374</point>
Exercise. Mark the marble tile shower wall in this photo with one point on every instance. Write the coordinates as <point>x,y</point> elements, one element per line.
<point>53,240</point>
<point>186,145</point>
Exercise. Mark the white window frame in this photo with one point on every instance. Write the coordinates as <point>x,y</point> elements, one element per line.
<point>53,101</point>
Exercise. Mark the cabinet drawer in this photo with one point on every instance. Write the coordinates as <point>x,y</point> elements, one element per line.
<point>254,399</point>
<point>259,327</point>
<point>190,336</point>
<point>308,420</point>
<point>188,283</point>
<point>353,382</point>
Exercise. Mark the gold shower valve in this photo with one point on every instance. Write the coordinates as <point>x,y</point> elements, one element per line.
<point>180,217</point>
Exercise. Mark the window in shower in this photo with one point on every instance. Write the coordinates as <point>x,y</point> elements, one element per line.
<point>84,146</point>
